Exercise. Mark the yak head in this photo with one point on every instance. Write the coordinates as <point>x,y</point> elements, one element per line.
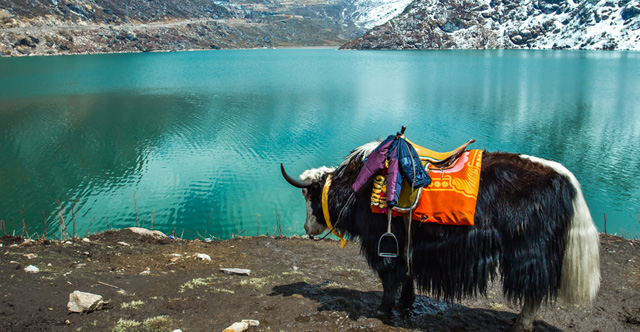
<point>311,182</point>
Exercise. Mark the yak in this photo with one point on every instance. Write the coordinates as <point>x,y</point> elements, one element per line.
<point>532,230</point>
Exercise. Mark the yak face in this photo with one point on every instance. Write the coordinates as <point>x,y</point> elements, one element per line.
<point>314,224</point>
<point>312,181</point>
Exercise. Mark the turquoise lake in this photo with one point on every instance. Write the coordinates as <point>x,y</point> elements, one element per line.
<point>192,140</point>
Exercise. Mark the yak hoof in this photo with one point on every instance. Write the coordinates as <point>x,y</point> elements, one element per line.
<point>384,312</point>
<point>522,325</point>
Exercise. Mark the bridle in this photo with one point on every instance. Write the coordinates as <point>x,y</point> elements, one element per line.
<point>325,213</point>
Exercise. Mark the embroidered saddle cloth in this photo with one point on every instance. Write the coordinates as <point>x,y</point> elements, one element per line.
<point>449,200</point>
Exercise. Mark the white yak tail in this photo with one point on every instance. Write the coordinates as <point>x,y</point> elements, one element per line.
<point>580,274</point>
<point>580,278</point>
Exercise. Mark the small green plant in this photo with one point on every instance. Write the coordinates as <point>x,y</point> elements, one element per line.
<point>124,325</point>
<point>158,323</point>
<point>131,305</point>
<point>193,283</point>
<point>223,290</point>
<point>255,283</point>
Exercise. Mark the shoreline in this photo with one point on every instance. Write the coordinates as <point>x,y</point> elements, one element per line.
<point>330,47</point>
<point>154,283</point>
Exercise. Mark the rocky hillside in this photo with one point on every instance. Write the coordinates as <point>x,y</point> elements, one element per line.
<point>96,26</point>
<point>21,13</point>
<point>538,24</point>
<point>370,13</point>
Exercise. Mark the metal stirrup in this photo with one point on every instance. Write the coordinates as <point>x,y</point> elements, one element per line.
<point>390,235</point>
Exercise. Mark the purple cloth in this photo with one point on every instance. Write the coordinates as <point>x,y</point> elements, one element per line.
<point>403,161</point>
<point>373,165</point>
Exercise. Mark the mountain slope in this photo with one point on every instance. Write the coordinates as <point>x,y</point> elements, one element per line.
<point>539,24</point>
<point>36,27</point>
<point>370,13</point>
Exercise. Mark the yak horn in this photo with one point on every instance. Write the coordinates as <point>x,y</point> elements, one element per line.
<point>294,182</point>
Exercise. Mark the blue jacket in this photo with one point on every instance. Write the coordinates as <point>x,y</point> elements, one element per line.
<point>400,155</point>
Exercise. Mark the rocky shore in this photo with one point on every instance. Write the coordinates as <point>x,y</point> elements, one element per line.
<point>156,283</point>
<point>42,27</point>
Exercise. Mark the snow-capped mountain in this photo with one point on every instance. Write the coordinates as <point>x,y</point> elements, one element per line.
<point>540,24</point>
<point>367,14</point>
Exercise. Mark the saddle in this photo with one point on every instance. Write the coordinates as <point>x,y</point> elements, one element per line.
<point>450,199</point>
<point>440,160</point>
<point>434,161</point>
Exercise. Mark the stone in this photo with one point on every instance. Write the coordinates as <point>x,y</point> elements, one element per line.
<point>242,272</point>
<point>84,302</point>
<point>31,269</point>
<point>122,243</point>
<point>252,322</point>
<point>242,325</point>
<point>237,327</point>
<point>144,231</point>
<point>203,257</point>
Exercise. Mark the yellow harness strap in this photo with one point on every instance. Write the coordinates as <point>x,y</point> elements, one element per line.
<point>325,211</point>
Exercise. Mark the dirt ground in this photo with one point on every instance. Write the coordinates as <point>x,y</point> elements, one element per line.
<point>295,284</point>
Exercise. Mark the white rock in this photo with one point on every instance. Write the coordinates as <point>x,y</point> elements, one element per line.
<point>177,330</point>
<point>31,269</point>
<point>86,239</point>
<point>84,302</point>
<point>242,272</point>
<point>144,231</point>
<point>242,326</point>
<point>203,257</point>
<point>122,243</point>
<point>237,327</point>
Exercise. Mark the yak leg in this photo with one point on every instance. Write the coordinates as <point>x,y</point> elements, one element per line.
<point>393,276</point>
<point>408,295</point>
<point>388,297</point>
<point>525,319</point>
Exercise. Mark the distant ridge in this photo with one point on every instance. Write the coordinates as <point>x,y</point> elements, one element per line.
<point>496,24</point>
<point>50,27</point>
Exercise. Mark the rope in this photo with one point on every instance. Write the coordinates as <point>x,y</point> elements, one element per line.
<point>411,197</point>
<point>331,230</point>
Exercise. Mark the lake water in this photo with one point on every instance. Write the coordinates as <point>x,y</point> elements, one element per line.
<point>193,140</point>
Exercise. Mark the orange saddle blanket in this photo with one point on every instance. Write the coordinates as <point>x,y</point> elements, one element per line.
<point>451,197</point>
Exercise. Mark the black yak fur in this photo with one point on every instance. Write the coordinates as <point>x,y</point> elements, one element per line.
<point>523,215</point>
